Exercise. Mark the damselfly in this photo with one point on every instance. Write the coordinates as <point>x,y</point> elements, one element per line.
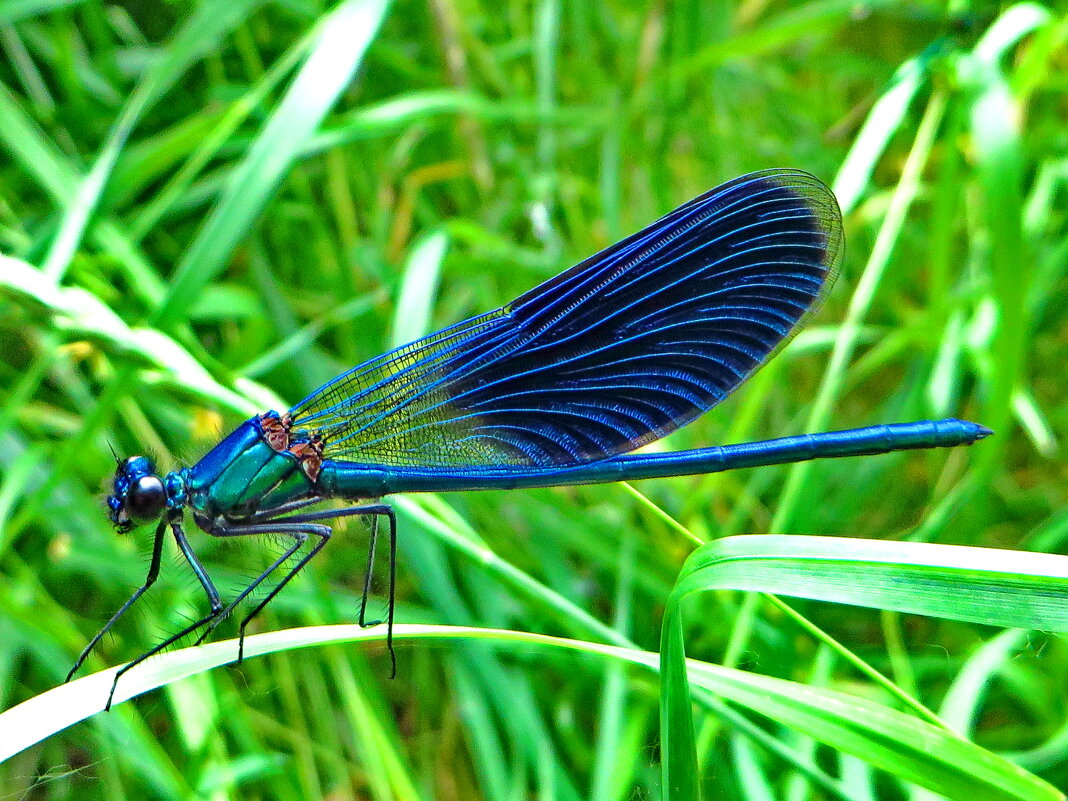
<point>556,388</point>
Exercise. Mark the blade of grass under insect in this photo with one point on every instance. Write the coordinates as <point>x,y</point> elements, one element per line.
<point>1004,588</point>
<point>909,748</point>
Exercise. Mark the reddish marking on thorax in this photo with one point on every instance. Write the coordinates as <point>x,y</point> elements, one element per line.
<point>308,451</point>
<point>276,430</point>
<point>310,454</point>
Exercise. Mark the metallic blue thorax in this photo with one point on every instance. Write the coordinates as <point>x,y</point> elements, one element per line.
<point>240,476</point>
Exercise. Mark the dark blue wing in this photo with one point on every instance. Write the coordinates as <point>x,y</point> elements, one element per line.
<point>610,355</point>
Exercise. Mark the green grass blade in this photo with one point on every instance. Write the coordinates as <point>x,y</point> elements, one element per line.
<point>419,287</point>
<point>999,154</point>
<point>953,582</point>
<point>200,35</point>
<point>861,302</point>
<point>532,136</point>
<point>55,174</point>
<point>994,587</point>
<point>335,56</point>
<point>80,313</point>
<point>23,138</point>
<point>12,11</point>
<point>911,749</point>
<point>883,121</point>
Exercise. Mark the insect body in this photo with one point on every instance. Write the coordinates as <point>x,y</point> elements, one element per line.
<point>558,387</point>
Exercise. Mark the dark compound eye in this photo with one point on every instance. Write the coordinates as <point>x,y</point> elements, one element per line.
<point>146,498</point>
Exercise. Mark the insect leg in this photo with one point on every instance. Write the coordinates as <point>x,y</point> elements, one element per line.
<point>205,582</point>
<point>299,527</point>
<point>299,536</point>
<point>368,573</point>
<point>150,579</point>
<point>285,508</point>
<point>301,530</point>
<point>376,509</point>
<point>198,568</point>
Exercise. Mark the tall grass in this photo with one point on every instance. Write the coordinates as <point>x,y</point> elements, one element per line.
<point>208,210</point>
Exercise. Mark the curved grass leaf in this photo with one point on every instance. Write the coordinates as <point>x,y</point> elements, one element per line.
<point>994,587</point>
<point>885,118</point>
<point>907,747</point>
<point>419,286</point>
<point>80,313</point>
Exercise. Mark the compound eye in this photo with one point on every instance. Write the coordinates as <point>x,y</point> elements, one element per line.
<point>146,498</point>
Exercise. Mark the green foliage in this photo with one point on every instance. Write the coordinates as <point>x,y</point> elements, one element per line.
<point>208,210</point>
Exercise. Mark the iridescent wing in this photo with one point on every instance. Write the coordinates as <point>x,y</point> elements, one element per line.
<point>610,355</point>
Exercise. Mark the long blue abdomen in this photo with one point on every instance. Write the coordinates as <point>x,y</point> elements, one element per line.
<point>344,479</point>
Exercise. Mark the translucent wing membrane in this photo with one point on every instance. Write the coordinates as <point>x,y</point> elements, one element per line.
<point>610,355</point>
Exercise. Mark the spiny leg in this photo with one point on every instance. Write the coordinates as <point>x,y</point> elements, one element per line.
<point>299,535</point>
<point>373,541</point>
<point>150,579</point>
<point>198,568</point>
<point>392,588</point>
<point>209,590</point>
<point>323,532</point>
<point>376,509</point>
<point>300,525</point>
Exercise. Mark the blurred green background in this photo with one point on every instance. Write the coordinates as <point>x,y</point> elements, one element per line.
<point>212,208</point>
